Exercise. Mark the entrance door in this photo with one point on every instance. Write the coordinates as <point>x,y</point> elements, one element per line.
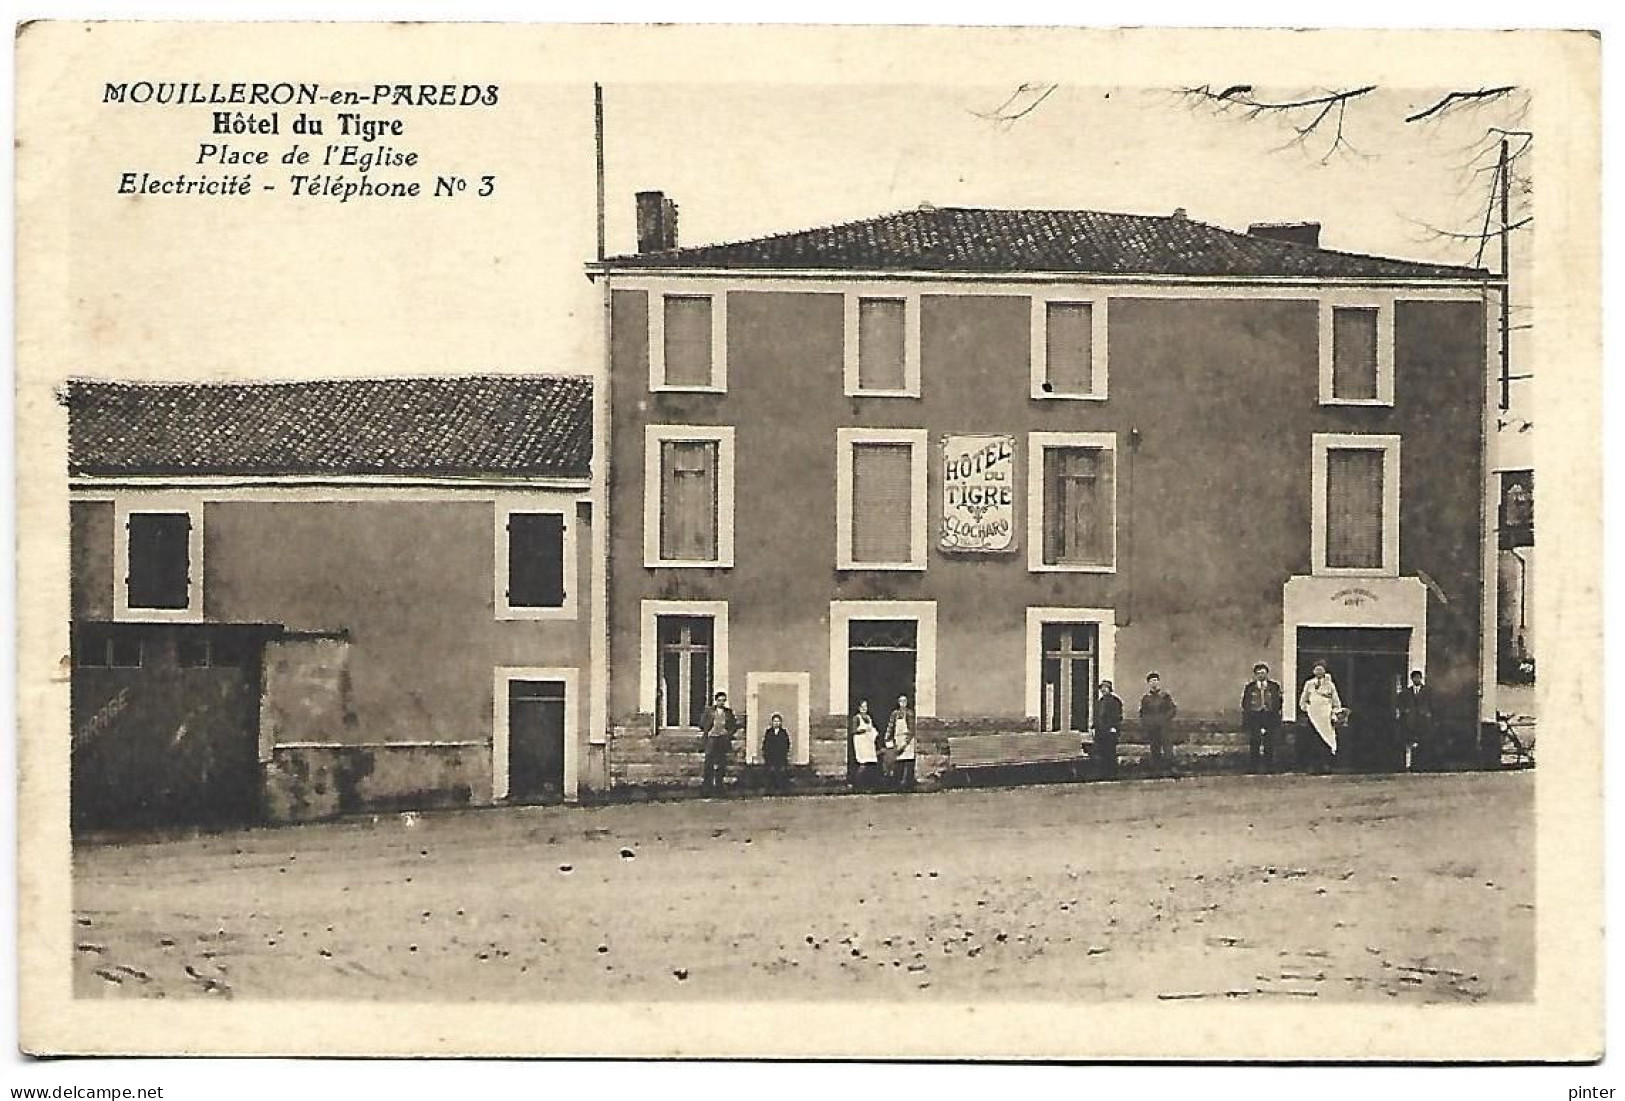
<point>882,656</point>
<point>1070,672</point>
<point>1368,665</point>
<point>535,739</point>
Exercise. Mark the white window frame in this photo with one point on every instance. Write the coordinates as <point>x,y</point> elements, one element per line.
<point>650,612</point>
<point>657,339</point>
<point>1324,442</point>
<point>1105,621</point>
<point>653,436</point>
<point>851,375</point>
<point>501,738</point>
<point>924,615</point>
<point>1384,305</point>
<point>918,440</point>
<point>1037,443</point>
<point>142,504</point>
<point>523,506</point>
<point>1038,358</point>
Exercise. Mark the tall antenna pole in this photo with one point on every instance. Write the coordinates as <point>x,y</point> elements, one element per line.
<point>598,144</point>
<point>1505,175</point>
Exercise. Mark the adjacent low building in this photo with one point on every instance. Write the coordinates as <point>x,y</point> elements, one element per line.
<point>291,600</point>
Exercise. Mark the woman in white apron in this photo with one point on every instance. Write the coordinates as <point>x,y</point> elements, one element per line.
<point>1319,702</point>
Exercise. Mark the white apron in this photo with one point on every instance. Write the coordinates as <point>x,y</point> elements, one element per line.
<point>1319,700</point>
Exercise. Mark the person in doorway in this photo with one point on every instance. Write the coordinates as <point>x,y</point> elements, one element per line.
<point>902,736</point>
<point>776,753</point>
<point>865,758</point>
<point>1261,717</point>
<point>717,726</point>
<point>1157,711</point>
<point>1414,710</point>
<point>1321,706</point>
<point>1108,725</point>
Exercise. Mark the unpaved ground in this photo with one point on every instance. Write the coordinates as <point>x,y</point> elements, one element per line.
<point>1412,888</point>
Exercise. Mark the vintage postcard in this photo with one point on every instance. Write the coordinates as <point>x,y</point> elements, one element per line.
<point>796,542</point>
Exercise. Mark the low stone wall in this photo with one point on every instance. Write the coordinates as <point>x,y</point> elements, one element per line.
<point>305,782</point>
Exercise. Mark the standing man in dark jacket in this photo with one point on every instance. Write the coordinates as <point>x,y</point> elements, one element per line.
<point>1261,718</point>
<point>1157,711</point>
<point>1414,710</point>
<point>776,753</point>
<point>717,725</point>
<point>1108,725</point>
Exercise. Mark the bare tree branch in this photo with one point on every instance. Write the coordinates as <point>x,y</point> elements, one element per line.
<point>1009,112</point>
<point>1455,99</point>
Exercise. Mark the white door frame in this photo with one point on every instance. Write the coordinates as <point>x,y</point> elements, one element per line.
<point>505,674</point>
<point>800,732</point>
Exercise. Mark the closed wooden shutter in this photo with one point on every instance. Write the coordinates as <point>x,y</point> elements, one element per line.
<point>1354,505</point>
<point>688,500</point>
<point>882,502</point>
<point>1068,350</point>
<point>1354,353</point>
<point>881,344</point>
<point>1079,513</point>
<point>159,560</point>
<point>536,560</point>
<point>688,340</point>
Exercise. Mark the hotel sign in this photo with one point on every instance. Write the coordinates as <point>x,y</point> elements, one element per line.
<point>978,493</point>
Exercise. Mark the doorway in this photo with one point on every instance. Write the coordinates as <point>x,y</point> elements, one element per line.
<point>536,726</point>
<point>881,664</point>
<point>1369,667</point>
<point>1071,671</point>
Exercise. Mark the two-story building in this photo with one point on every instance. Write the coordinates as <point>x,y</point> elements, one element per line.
<point>297,599</point>
<point>987,458</point>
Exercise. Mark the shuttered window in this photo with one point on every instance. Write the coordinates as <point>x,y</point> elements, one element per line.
<point>688,500</point>
<point>688,340</point>
<point>881,344</point>
<point>1354,508</point>
<point>1078,506</point>
<point>159,560</point>
<point>536,566</point>
<point>882,502</point>
<point>1354,353</point>
<point>1068,348</point>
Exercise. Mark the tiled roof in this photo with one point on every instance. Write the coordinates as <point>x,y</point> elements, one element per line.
<point>506,425</point>
<point>966,239</point>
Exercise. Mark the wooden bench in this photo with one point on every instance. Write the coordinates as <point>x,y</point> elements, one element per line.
<point>967,752</point>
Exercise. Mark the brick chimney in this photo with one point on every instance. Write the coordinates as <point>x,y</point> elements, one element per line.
<point>657,222</point>
<point>1297,233</point>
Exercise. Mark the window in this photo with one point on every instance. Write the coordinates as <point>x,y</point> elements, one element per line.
<point>535,556</point>
<point>158,545</point>
<point>688,496</point>
<point>1069,652</point>
<point>883,344</point>
<point>880,649</point>
<point>1357,353</point>
<point>687,342</point>
<point>1356,503</point>
<point>1072,515</point>
<point>1516,519</point>
<point>1069,348</point>
<point>684,653</point>
<point>106,648</point>
<point>880,499</point>
<point>219,651</point>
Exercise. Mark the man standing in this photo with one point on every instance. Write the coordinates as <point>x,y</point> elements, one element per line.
<point>1157,710</point>
<point>1108,724</point>
<point>1261,717</point>
<point>717,725</point>
<point>901,735</point>
<point>1414,710</point>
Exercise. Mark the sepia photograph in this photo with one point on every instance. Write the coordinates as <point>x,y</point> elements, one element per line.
<point>573,531</point>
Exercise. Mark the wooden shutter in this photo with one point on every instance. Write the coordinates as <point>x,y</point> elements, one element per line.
<point>880,344</point>
<point>1079,514</point>
<point>1068,350</point>
<point>688,340</point>
<point>1354,353</point>
<point>882,502</point>
<point>536,560</point>
<point>159,560</point>
<point>1354,507</point>
<point>688,500</point>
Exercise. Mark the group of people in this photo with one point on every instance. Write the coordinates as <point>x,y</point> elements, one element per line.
<point>1261,703</point>
<point>717,728</point>
<point>884,759</point>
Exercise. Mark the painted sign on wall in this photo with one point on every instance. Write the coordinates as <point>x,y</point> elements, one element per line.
<point>978,493</point>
